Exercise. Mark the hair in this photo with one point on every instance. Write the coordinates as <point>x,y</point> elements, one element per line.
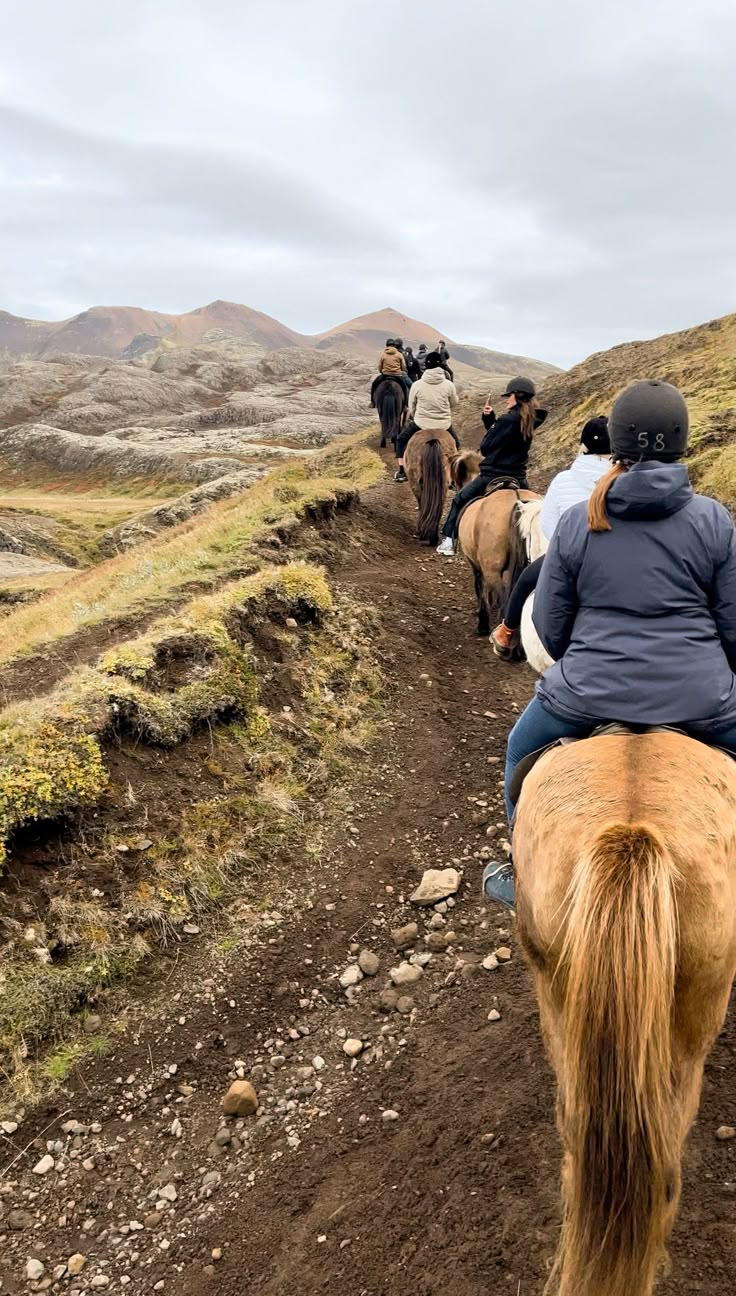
<point>597,513</point>
<point>528,412</point>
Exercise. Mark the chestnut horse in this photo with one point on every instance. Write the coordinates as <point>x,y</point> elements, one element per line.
<point>431,462</point>
<point>490,538</point>
<point>625,854</point>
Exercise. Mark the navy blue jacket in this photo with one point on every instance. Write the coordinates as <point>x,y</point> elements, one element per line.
<point>641,620</point>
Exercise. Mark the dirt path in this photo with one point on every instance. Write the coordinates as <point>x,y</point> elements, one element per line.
<point>324,1193</point>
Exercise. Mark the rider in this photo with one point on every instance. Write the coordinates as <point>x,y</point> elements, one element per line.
<point>505,448</point>
<point>391,364</point>
<point>431,402</point>
<point>413,368</point>
<point>567,488</point>
<point>422,355</point>
<point>637,600</point>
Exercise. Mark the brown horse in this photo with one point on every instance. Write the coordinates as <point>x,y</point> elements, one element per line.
<point>488,538</point>
<point>391,403</point>
<point>625,853</point>
<point>431,461</point>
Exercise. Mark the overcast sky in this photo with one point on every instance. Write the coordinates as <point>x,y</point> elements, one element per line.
<point>547,178</point>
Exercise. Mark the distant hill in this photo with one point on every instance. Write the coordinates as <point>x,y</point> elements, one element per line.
<point>365,336</point>
<point>127,332</point>
<point>700,361</point>
<point>114,330</point>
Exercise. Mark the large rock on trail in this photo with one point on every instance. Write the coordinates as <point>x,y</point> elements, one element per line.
<point>436,885</point>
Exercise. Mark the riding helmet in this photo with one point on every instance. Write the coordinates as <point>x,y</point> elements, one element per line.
<point>390,342</point>
<point>399,342</point>
<point>649,420</point>
<point>433,360</point>
<point>520,387</point>
<point>594,436</point>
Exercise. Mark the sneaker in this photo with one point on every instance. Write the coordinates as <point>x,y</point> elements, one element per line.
<point>498,884</point>
<point>400,476</point>
<point>446,548</point>
<point>501,638</point>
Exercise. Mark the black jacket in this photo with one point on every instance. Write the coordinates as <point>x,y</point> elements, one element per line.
<point>504,449</point>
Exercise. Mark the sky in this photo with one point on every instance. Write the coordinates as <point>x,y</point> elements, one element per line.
<point>543,178</point>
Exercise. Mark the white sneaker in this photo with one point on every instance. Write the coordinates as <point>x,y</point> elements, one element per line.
<point>447,548</point>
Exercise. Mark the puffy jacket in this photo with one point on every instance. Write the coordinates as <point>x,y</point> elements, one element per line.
<point>504,448</point>
<point>432,400</point>
<point>570,487</point>
<point>641,620</point>
<point>391,361</point>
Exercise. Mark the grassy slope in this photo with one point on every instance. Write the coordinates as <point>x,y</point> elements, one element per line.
<point>700,361</point>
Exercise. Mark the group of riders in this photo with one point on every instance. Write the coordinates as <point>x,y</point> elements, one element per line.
<point>635,597</point>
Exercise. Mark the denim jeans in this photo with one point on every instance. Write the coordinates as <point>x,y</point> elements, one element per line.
<point>537,728</point>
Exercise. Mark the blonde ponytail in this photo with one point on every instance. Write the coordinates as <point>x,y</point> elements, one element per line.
<point>597,514</point>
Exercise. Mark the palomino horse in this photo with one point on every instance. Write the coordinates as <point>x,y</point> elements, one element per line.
<point>625,854</point>
<point>489,538</point>
<point>391,401</point>
<point>431,462</point>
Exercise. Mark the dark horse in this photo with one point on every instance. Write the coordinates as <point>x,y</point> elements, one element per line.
<point>391,401</point>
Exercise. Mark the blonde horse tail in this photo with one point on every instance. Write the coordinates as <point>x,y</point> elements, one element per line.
<point>434,492</point>
<point>618,1110</point>
<point>518,557</point>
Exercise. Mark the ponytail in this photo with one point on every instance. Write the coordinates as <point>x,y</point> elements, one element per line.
<point>597,514</point>
<point>528,413</point>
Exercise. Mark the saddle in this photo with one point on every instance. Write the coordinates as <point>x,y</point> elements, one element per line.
<point>502,483</point>
<point>526,765</point>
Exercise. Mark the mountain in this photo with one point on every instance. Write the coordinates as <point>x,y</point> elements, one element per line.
<point>700,361</point>
<point>114,330</point>
<point>365,336</point>
<point>127,332</point>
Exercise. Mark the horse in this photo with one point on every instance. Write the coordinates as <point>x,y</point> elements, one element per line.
<point>625,855</point>
<point>391,402</point>
<point>490,540</point>
<point>431,461</point>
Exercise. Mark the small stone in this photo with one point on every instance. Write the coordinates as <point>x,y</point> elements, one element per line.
<point>217,1253</point>
<point>190,929</point>
<point>436,885</point>
<point>34,1270</point>
<point>503,954</point>
<point>153,1219</point>
<point>223,1138</point>
<point>100,1280</point>
<point>350,976</point>
<point>92,1024</point>
<point>353,1047</point>
<point>436,922</point>
<point>725,1133</point>
<point>389,1116</point>
<point>89,1163</point>
<point>406,974</point>
<point>403,937</point>
<point>59,1272</point>
<point>75,1264</point>
<point>388,1001</point>
<point>318,1063</point>
<point>291,623</point>
<point>438,942</point>
<point>241,1099</point>
<point>405,1006</point>
<point>494,1015</point>
<point>19,1219</point>
<point>490,963</point>
<point>8,1127</point>
<point>487,1139</point>
<point>369,963</point>
<point>43,1166</point>
<point>168,1192</point>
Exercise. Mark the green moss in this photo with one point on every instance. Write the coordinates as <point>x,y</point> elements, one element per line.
<point>46,772</point>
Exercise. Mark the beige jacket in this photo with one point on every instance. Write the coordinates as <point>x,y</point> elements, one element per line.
<point>432,400</point>
<point>391,361</point>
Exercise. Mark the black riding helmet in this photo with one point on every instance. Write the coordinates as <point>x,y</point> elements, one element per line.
<point>594,436</point>
<point>399,342</point>
<point>433,360</point>
<point>390,342</point>
<point>649,420</point>
<point>521,388</point>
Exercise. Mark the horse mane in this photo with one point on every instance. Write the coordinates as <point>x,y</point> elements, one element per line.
<point>524,533</point>
<point>528,521</point>
<point>464,467</point>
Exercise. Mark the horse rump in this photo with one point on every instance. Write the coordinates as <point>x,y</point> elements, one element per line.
<point>390,403</point>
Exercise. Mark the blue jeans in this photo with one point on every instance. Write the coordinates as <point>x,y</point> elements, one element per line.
<point>537,728</point>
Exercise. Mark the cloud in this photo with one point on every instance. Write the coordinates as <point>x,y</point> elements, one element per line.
<point>544,179</point>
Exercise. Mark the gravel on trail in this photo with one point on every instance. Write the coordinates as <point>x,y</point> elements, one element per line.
<point>401,1131</point>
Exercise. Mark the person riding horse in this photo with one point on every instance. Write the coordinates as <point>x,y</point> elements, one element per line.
<point>431,402</point>
<point>636,603</point>
<point>572,486</point>
<point>391,364</point>
<point>505,448</point>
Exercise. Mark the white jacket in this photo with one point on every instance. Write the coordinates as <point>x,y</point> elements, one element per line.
<point>570,487</point>
<point>432,400</point>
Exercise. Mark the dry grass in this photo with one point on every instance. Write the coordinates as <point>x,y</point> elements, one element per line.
<point>208,548</point>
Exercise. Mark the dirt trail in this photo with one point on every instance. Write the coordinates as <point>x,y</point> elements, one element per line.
<point>459,1193</point>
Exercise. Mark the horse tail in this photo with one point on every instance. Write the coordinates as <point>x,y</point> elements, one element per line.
<point>434,492</point>
<point>518,557</point>
<point>618,1110</point>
